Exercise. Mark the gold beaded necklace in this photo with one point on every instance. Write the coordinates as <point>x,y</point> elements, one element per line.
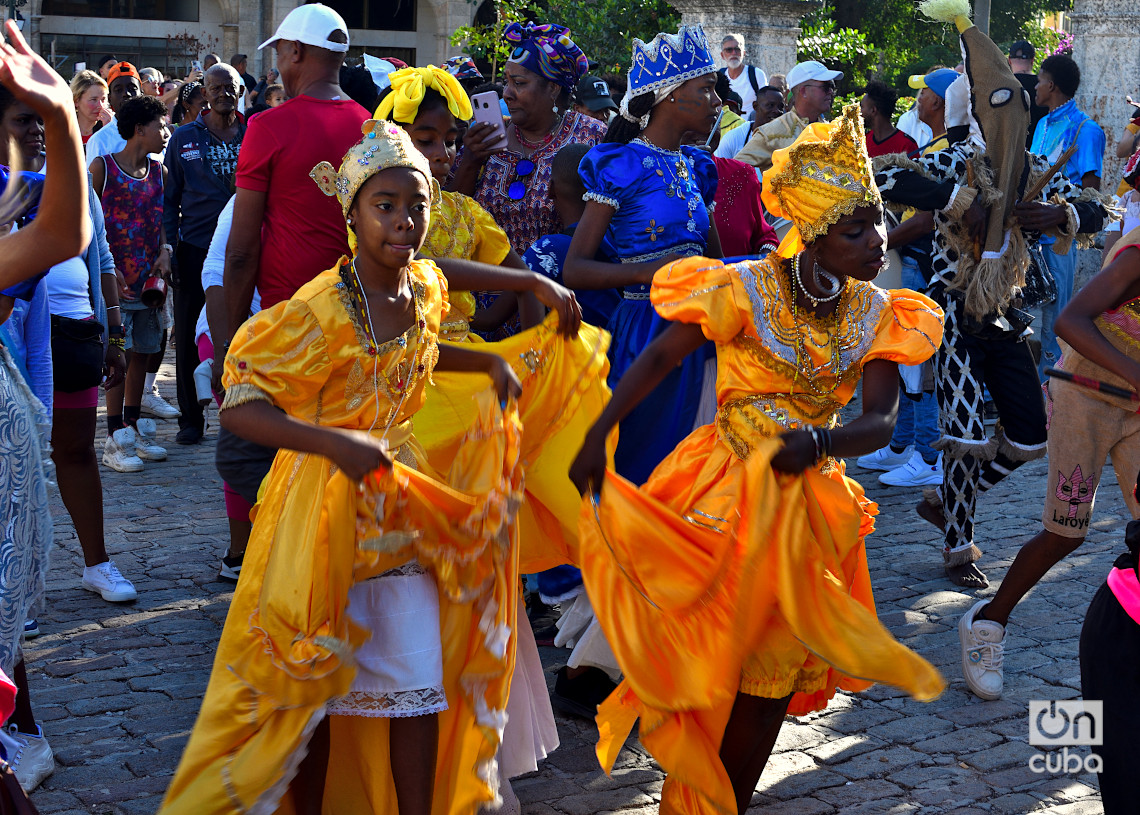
<point>803,360</point>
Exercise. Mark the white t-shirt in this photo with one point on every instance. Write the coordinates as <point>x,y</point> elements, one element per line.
<point>743,87</point>
<point>214,266</point>
<point>919,131</point>
<point>67,289</point>
<point>733,141</point>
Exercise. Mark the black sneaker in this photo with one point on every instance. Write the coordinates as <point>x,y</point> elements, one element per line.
<point>581,695</point>
<point>189,435</point>
<point>231,568</point>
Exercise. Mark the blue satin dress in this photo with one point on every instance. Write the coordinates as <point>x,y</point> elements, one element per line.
<point>662,200</point>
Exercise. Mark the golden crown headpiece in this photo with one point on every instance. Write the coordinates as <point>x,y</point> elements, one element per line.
<point>384,145</point>
<point>824,175</point>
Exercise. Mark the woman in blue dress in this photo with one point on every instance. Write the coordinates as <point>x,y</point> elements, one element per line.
<point>651,198</point>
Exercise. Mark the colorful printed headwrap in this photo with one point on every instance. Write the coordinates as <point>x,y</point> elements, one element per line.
<point>823,176</point>
<point>462,68</point>
<point>548,51</point>
<point>408,88</point>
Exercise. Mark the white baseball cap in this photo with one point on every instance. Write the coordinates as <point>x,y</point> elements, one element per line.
<point>811,70</point>
<point>311,24</point>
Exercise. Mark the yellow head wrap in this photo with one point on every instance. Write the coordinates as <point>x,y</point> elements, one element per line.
<point>408,88</point>
<point>383,147</point>
<point>823,176</point>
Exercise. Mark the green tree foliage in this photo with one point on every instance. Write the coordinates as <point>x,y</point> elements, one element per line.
<point>603,29</point>
<point>888,38</point>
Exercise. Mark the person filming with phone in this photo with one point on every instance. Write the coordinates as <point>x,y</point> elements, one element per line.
<point>507,168</point>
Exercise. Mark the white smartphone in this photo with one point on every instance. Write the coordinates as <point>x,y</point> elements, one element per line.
<point>196,65</point>
<point>487,111</point>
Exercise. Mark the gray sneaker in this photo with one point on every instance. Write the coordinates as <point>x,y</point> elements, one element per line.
<point>119,451</point>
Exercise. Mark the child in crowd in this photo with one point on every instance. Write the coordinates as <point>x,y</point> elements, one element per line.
<point>129,184</point>
<point>557,405</point>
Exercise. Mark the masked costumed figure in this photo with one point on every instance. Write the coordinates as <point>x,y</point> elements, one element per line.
<point>991,199</point>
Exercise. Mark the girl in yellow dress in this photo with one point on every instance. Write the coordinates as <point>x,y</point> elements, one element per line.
<point>751,598</point>
<point>557,406</point>
<point>381,592</point>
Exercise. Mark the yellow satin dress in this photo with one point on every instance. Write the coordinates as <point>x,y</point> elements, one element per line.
<point>721,575</point>
<point>286,649</point>
<point>564,389</point>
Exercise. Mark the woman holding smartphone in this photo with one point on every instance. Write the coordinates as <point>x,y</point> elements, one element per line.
<point>512,182</point>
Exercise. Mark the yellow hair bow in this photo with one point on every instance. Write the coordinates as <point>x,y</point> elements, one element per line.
<point>408,88</point>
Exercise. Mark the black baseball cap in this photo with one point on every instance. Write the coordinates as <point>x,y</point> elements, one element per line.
<point>1022,49</point>
<point>594,93</point>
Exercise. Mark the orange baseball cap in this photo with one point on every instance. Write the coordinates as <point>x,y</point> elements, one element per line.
<point>123,69</point>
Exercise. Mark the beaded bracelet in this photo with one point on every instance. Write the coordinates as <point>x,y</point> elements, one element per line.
<point>119,342</point>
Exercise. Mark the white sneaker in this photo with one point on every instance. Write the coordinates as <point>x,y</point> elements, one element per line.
<point>146,444</point>
<point>106,580</point>
<point>983,650</point>
<point>119,451</point>
<point>29,756</point>
<point>154,405</point>
<point>885,459</point>
<point>915,473</point>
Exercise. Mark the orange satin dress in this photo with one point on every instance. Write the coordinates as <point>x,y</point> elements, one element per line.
<point>287,646</point>
<point>721,575</point>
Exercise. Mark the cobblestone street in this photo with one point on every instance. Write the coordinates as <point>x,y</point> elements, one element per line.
<point>118,687</point>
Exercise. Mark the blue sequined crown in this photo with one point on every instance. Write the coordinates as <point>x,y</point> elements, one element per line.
<point>670,59</point>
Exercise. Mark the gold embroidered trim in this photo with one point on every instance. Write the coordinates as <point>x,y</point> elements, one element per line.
<point>243,393</point>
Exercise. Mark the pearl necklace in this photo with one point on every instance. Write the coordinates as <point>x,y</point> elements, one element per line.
<point>832,291</point>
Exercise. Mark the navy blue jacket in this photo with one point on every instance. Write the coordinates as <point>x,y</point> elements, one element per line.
<point>200,173</point>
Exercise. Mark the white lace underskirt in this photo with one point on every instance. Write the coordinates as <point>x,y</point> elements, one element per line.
<point>399,669</point>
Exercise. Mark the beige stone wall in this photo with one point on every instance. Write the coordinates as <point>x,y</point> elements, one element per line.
<point>771,28</point>
<point>1106,48</point>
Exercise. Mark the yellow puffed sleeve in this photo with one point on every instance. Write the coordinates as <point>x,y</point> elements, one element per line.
<point>278,355</point>
<point>701,291</point>
<point>436,304</point>
<point>910,331</point>
<point>491,242</point>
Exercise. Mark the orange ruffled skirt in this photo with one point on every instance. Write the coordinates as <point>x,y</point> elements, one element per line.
<point>721,575</point>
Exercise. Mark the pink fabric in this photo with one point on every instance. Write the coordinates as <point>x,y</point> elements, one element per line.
<point>80,400</point>
<point>236,507</point>
<point>7,696</point>
<point>1126,588</point>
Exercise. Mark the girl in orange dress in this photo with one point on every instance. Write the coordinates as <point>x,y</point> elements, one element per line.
<point>751,598</point>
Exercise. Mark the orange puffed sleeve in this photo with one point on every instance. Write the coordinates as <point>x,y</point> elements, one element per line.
<point>701,291</point>
<point>278,355</point>
<point>910,331</point>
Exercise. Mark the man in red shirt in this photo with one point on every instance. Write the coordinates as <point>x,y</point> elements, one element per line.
<point>877,107</point>
<point>285,230</point>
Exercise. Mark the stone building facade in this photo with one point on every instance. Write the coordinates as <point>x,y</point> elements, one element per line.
<point>169,34</point>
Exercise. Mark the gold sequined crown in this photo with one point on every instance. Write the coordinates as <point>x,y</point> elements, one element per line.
<point>384,146</point>
<point>824,175</point>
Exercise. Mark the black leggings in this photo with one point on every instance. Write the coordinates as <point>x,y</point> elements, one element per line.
<point>1110,671</point>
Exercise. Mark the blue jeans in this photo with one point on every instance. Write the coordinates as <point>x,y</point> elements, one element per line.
<point>917,422</point>
<point>1064,270</point>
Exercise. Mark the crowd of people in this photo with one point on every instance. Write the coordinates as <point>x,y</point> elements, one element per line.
<point>598,344</point>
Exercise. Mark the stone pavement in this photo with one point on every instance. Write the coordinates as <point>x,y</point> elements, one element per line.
<point>118,686</point>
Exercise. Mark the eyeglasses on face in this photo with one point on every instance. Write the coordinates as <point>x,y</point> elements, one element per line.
<point>826,87</point>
